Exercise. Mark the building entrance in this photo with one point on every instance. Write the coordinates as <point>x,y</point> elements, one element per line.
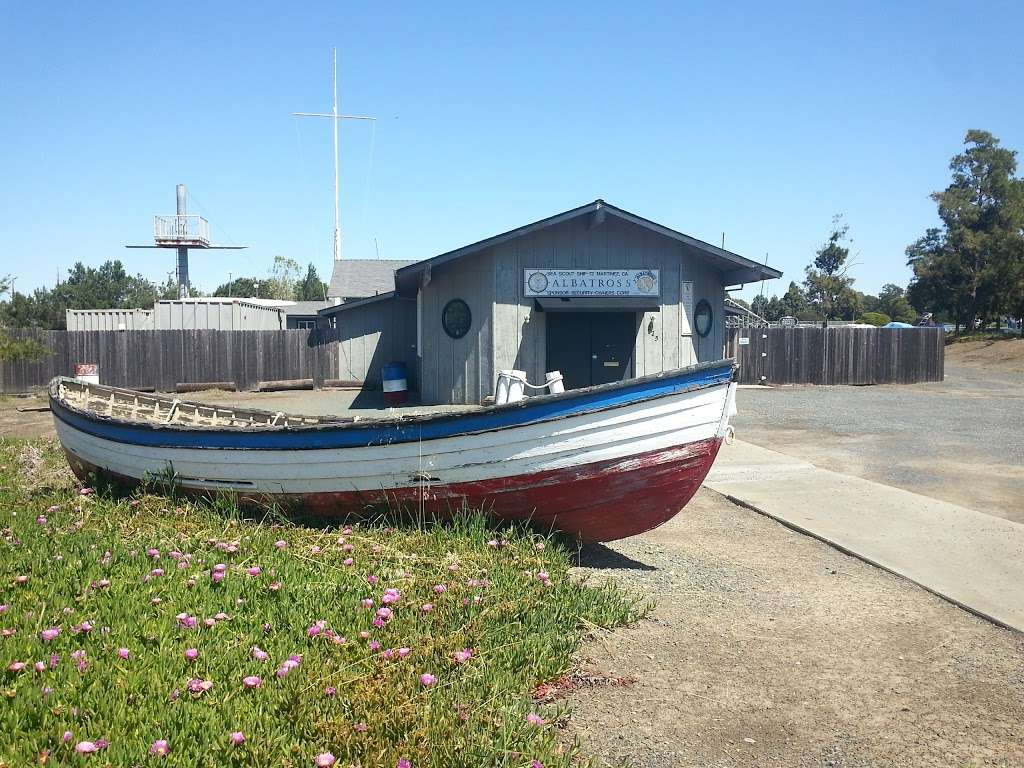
<point>590,347</point>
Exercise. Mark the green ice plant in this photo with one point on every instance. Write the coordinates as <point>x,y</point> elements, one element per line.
<point>154,630</point>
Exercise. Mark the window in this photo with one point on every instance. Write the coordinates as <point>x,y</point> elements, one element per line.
<point>305,325</point>
<point>456,318</point>
<point>703,318</point>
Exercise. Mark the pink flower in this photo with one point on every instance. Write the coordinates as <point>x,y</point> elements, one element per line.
<point>315,629</point>
<point>384,614</point>
<point>274,586</point>
<point>347,531</point>
<point>440,589</point>
<point>280,543</point>
<point>217,577</point>
<point>427,679</point>
<point>366,602</point>
<point>220,568</point>
<point>209,623</point>
<point>221,616</point>
<point>427,607</point>
<point>373,645</point>
<point>461,657</point>
<point>325,760</point>
<point>66,737</point>
<point>536,763</point>
<point>534,719</point>
<point>403,763</point>
<point>539,545</point>
<point>124,653</point>
<point>259,654</point>
<point>186,622</point>
<point>254,570</point>
<point>347,548</point>
<point>16,666</point>
<point>191,654</point>
<point>236,738</point>
<point>156,572</point>
<point>153,552</point>
<point>155,601</point>
<point>39,666</point>
<point>391,596</point>
<point>86,747</point>
<point>159,748</point>
<point>371,579</point>
<point>49,634</point>
<point>330,690</point>
<point>21,580</point>
<point>195,685</point>
<point>347,561</point>
<point>314,550</point>
<point>41,520</point>
<point>543,576</point>
<point>403,652</point>
<point>360,727</point>
<point>252,681</point>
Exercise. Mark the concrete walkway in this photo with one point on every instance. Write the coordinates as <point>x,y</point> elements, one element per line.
<point>970,558</point>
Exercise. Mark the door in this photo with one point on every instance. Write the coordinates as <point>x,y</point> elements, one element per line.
<point>590,347</point>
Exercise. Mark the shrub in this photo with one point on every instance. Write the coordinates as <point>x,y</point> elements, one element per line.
<point>875,318</point>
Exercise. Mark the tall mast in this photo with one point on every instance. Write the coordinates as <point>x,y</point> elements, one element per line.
<point>335,117</point>
<point>334,122</point>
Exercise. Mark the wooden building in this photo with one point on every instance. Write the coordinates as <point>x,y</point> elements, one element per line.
<point>596,292</point>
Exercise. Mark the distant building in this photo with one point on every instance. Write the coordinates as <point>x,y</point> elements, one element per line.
<point>214,313</point>
<point>360,278</point>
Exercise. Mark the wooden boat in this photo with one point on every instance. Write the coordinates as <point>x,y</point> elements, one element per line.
<point>602,462</point>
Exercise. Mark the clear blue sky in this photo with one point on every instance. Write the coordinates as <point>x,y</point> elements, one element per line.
<point>758,120</point>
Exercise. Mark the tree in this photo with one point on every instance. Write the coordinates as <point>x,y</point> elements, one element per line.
<point>284,275</point>
<point>892,301</point>
<point>829,290</point>
<point>240,287</point>
<point>22,349</point>
<point>107,287</point>
<point>311,288</point>
<point>973,267</point>
<point>794,302</point>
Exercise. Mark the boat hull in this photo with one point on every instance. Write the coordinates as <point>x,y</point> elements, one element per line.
<point>600,465</point>
<point>603,501</point>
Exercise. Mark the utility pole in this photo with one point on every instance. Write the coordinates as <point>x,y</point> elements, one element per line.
<point>335,117</point>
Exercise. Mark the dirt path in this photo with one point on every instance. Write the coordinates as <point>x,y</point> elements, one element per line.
<point>771,649</point>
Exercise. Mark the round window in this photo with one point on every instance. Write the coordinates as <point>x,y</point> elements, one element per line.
<point>703,317</point>
<point>456,318</point>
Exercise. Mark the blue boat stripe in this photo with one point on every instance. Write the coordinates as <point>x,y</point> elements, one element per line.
<point>356,435</point>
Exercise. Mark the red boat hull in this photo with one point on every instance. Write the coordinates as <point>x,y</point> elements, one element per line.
<point>601,501</point>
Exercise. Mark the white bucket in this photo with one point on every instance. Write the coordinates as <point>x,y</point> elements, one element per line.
<point>554,381</point>
<point>510,387</point>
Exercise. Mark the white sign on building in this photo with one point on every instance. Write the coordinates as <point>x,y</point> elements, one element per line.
<point>591,282</point>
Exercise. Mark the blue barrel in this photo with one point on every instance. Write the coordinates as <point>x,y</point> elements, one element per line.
<point>396,384</point>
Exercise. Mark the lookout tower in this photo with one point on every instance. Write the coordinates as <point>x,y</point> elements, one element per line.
<point>182,232</point>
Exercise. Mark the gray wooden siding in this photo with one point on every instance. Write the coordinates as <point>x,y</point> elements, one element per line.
<point>519,331</point>
<point>458,370</point>
<point>372,335</point>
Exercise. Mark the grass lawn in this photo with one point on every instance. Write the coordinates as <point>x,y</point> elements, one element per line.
<point>156,631</point>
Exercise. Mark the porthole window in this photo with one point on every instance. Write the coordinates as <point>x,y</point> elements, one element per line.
<point>456,318</point>
<point>703,318</point>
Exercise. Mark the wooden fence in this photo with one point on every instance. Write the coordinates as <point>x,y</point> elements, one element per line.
<point>838,355</point>
<point>163,360</point>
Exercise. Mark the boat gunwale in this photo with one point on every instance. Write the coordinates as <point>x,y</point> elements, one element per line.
<point>399,421</point>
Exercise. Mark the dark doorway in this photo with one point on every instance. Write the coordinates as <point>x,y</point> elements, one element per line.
<point>590,347</point>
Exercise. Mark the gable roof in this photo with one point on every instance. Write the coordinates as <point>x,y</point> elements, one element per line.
<point>357,278</point>
<point>735,269</point>
<point>306,308</point>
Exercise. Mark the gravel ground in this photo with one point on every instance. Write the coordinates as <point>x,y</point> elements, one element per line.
<point>768,648</point>
<point>960,440</point>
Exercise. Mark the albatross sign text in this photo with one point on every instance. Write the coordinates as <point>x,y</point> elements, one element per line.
<point>591,282</point>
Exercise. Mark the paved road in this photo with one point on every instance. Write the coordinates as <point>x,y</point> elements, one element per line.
<point>960,440</point>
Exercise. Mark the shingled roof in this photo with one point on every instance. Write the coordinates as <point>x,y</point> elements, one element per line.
<point>358,278</point>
